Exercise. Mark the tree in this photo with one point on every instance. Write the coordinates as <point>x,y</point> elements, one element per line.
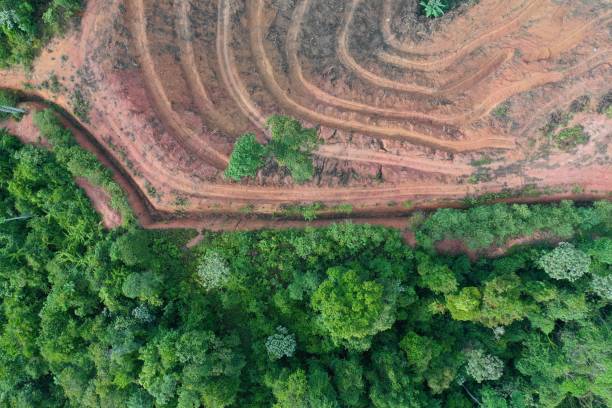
<point>482,367</point>
<point>434,276</point>
<point>465,305</point>
<point>213,272</point>
<point>281,344</point>
<point>247,157</point>
<point>292,146</point>
<point>565,262</point>
<point>352,309</point>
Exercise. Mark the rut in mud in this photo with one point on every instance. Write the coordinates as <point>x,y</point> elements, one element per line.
<point>409,109</point>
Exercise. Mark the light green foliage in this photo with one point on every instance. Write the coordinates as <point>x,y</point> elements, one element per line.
<point>352,309</point>
<point>292,146</point>
<point>502,302</point>
<point>80,162</point>
<point>483,226</point>
<point>247,157</point>
<point>434,8</point>
<point>565,262</point>
<point>483,367</point>
<point>213,272</point>
<point>280,344</point>
<point>465,305</point>
<point>569,138</point>
<point>438,278</point>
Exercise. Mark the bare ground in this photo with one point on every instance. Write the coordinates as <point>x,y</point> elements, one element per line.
<point>410,109</point>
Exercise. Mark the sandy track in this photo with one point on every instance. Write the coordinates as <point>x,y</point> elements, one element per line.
<point>385,143</point>
<point>255,10</point>
<point>506,26</point>
<point>190,140</point>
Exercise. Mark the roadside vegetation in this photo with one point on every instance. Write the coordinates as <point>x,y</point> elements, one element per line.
<point>80,162</point>
<point>437,8</point>
<point>26,26</point>
<point>343,316</point>
<point>291,146</point>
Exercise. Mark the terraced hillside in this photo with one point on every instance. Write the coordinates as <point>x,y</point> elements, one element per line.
<point>410,110</point>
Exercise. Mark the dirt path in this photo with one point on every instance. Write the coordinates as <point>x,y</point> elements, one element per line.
<point>192,141</point>
<point>255,10</point>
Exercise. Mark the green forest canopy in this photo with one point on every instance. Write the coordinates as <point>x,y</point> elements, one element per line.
<point>26,25</point>
<point>343,316</point>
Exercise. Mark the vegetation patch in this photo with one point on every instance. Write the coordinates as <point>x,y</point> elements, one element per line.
<point>27,25</point>
<point>343,316</point>
<point>80,105</point>
<point>291,146</point>
<point>80,162</point>
<point>569,138</point>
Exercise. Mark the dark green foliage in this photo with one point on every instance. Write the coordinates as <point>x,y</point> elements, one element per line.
<point>80,162</point>
<point>291,146</point>
<point>26,25</point>
<point>247,157</point>
<point>343,316</point>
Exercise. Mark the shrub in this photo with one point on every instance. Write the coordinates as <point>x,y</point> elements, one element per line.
<point>247,157</point>
<point>434,8</point>
<point>571,137</point>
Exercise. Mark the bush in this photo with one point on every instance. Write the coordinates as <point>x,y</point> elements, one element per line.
<point>434,8</point>
<point>247,157</point>
<point>292,146</point>
<point>569,138</point>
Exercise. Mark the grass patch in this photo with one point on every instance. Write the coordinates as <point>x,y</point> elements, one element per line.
<point>501,111</point>
<point>570,138</point>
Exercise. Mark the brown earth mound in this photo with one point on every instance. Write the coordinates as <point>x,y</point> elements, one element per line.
<point>409,109</point>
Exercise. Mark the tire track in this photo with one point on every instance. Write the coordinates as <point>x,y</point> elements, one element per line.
<point>186,137</point>
<point>188,62</point>
<point>453,86</point>
<point>298,78</point>
<point>457,53</point>
<point>255,9</point>
<point>351,154</point>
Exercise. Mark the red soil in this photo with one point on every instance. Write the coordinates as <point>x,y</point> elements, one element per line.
<point>405,105</point>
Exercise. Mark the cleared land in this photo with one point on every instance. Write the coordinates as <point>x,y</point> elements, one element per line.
<point>410,110</point>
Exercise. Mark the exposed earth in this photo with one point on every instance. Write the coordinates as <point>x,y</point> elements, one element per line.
<point>410,110</point>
